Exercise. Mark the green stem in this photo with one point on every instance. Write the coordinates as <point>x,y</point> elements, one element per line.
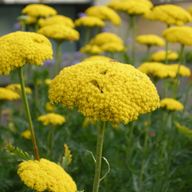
<point>99,149</point>
<point>58,56</point>
<point>133,33</point>
<point>28,114</point>
<point>148,52</point>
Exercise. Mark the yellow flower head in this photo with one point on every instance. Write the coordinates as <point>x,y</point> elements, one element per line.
<point>89,21</point>
<point>104,42</point>
<point>98,58</point>
<point>20,48</point>
<point>44,175</point>
<point>47,81</point>
<point>171,104</point>
<point>59,32</point>
<point>57,19</point>
<point>159,56</point>
<point>150,40</point>
<point>184,130</point>
<point>161,70</point>
<point>132,7</point>
<point>26,134</point>
<point>104,13</point>
<point>181,34</point>
<point>6,94</point>
<point>169,14</point>
<point>105,90</point>
<point>39,10</point>
<point>51,118</point>
<point>49,107</point>
<point>17,88</point>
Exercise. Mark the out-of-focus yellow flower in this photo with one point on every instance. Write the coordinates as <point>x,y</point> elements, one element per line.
<point>57,19</point>
<point>104,13</point>
<point>49,107</point>
<point>171,104</point>
<point>89,21</point>
<point>6,94</point>
<point>26,134</point>
<point>44,175</point>
<point>47,81</point>
<point>105,90</point>
<point>181,34</point>
<point>39,10</point>
<point>98,58</point>
<point>132,7</point>
<point>51,118</point>
<point>17,88</point>
<point>67,154</point>
<point>20,48</point>
<point>169,14</point>
<point>104,42</point>
<point>184,130</point>
<point>161,70</point>
<point>150,40</point>
<point>159,56</point>
<point>59,32</point>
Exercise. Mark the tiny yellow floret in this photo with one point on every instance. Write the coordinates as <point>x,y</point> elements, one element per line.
<point>171,104</point>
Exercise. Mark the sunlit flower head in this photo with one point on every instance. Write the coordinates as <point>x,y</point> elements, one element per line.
<point>39,10</point>
<point>26,134</point>
<point>57,19</point>
<point>171,104</point>
<point>17,88</point>
<point>150,40</point>
<point>59,32</point>
<point>132,7</point>
<point>44,175</point>
<point>105,90</point>
<point>20,48</point>
<point>51,119</point>
<point>160,70</point>
<point>89,21</point>
<point>181,34</point>
<point>160,56</point>
<point>104,13</point>
<point>6,94</point>
<point>169,14</point>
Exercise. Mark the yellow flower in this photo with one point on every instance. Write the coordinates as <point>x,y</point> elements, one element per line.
<point>161,70</point>
<point>131,7</point>
<point>169,14</point>
<point>51,118</point>
<point>44,175</point>
<point>150,40</point>
<point>171,104</point>
<point>104,13</point>
<point>6,94</point>
<point>49,107</point>
<point>184,130</point>
<point>105,90</point>
<point>20,48</point>
<point>181,34</point>
<point>59,32</point>
<point>26,134</point>
<point>104,42</point>
<point>39,10</point>
<point>98,57</point>
<point>47,81</point>
<point>17,88</point>
<point>57,19</point>
<point>89,21</point>
<point>159,56</point>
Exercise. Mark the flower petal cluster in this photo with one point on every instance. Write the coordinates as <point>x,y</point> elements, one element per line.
<point>51,119</point>
<point>169,14</point>
<point>105,90</point>
<point>59,32</point>
<point>161,70</point>
<point>150,40</point>
<point>89,21</point>
<point>44,175</point>
<point>39,10</point>
<point>171,104</point>
<point>17,88</point>
<point>104,42</point>
<point>20,48</point>
<point>57,19</point>
<point>6,94</point>
<point>159,56</point>
<point>104,13</point>
<point>181,34</point>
